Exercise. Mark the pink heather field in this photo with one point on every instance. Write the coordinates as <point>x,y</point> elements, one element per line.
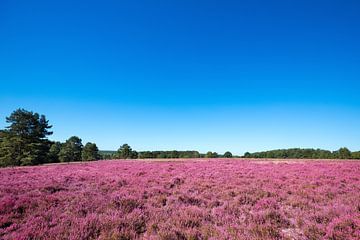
<point>190,199</point>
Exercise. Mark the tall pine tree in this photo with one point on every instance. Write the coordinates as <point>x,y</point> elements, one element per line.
<point>24,141</point>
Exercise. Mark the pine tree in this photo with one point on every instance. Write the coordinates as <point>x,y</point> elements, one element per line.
<point>90,152</point>
<point>24,141</point>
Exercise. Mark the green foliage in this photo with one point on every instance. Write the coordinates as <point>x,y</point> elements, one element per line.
<point>299,153</point>
<point>107,154</point>
<point>10,150</point>
<point>169,154</point>
<point>53,156</point>
<point>24,141</point>
<point>28,125</point>
<point>90,152</point>
<point>228,154</point>
<point>355,155</point>
<point>343,153</point>
<point>211,155</point>
<point>134,154</point>
<point>125,152</point>
<point>146,154</point>
<point>247,155</point>
<point>34,153</point>
<point>71,150</point>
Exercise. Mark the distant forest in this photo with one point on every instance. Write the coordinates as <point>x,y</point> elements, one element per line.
<point>168,154</point>
<point>24,142</point>
<point>307,153</point>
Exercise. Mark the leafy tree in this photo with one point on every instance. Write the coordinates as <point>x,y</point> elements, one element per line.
<point>134,154</point>
<point>124,152</point>
<point>54,152</point>
<point>146,154</point>
<point>90,152</point>
<point>211,155</point>
<point>228,154</point>
<point>208,154</point>
<point>344,153</point>
<point>174,154</point>
<point>247,155</point>
<point>71,150</point>
<point>355,155</point>
<point>11,150</point>
<point>34,153</point>
<point>24,141</point>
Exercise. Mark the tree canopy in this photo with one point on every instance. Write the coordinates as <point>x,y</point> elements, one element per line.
<point>24,141</point>
<point>27,124</point>
<point>54,152</point>
<point>90,152</point>
<point>71,150</point>
<point>126,152</point>
<point>228,154</point>
<point>211,154</point>
<point>304,153</point>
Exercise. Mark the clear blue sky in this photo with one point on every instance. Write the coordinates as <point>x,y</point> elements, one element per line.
<point>203,75</point>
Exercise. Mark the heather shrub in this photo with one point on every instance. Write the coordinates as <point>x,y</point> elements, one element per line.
<point>126,205</point>
<point>212,199</point>
<point>344,227</point>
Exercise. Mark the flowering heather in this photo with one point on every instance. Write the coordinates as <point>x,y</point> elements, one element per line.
<point>215,199</point>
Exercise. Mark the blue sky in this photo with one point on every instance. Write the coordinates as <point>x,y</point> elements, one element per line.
<point>203,75</point>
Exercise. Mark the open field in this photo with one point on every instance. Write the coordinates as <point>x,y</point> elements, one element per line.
<point>193,199</point>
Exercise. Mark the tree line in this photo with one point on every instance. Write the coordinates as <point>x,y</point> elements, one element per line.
<point>164,154</point>
<point>305,153</point>
<point>25,142</point>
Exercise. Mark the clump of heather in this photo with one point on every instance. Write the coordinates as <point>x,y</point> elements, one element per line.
<point>192,199</point>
